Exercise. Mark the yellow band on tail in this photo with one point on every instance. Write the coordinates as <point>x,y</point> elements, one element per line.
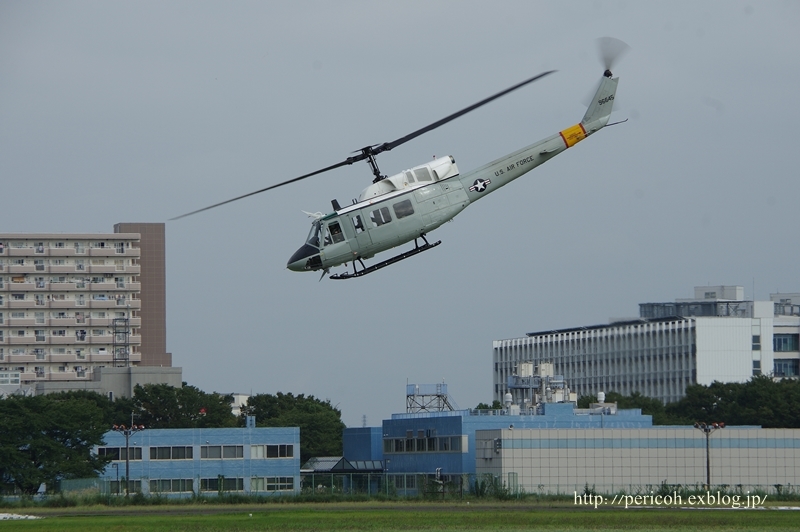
<point>573,135</point>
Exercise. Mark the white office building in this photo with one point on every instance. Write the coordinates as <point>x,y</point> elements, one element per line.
<point>715,336</point>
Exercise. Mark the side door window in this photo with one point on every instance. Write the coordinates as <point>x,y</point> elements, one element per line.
<point>380,216</point>
<point>358,224</point>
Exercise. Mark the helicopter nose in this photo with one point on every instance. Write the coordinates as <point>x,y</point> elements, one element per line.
<point>299,262</point>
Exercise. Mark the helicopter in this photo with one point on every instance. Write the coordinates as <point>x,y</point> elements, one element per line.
<point>404,207</point>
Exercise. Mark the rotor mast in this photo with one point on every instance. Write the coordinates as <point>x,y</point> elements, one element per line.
<point>369,154</point>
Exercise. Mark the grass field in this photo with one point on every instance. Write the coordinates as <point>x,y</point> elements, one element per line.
<point>506,517</point>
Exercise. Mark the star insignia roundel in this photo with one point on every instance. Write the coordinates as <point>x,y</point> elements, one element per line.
<point>479,185</point>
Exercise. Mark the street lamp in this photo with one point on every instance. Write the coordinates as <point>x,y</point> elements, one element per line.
<point>707,429</point>
<point>127,432</point>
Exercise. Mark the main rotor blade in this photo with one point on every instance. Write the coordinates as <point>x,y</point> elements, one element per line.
<point>390,145</point>
<point>350,160</point>
<point>366,153</point>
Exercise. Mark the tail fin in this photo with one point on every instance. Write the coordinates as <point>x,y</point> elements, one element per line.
<point>600,109</point>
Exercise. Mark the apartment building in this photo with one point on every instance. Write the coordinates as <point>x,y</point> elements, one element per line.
<point>72,303</point>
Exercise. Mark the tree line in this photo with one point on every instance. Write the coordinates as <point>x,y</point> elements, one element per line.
<point>47,438</point>
<point>760,401</point>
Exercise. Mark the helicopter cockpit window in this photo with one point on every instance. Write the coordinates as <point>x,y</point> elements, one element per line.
<point>333,234</point>
<point>380,216</point>
<point>409,177</point>
<point>358,224</point>
<point>313,235</point>
<point>423,174</point>
<point>403,209</point>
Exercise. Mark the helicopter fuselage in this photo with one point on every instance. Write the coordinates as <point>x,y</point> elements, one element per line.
<point>406,206</point>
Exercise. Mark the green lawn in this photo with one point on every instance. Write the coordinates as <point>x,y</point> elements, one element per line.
<point>506,517</point>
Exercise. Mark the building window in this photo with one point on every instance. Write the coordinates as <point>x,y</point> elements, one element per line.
<point>119,453</point>
<point>783,367</point>
<point>174,485</point>
<point>782,343</point>
<point>171,453</point>
<point>756,342</point>
<point>221,484</point>
<point>272,484</point>
<point>222,451</point>
<point>756,367</point>
<point>272,451</point>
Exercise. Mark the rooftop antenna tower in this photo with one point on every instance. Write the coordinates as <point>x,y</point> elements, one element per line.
<point>427,398</point>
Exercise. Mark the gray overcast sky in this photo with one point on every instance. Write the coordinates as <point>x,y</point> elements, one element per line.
<point>141,111</point>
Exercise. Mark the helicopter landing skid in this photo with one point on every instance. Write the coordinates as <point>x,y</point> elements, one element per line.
<point>387,262</point>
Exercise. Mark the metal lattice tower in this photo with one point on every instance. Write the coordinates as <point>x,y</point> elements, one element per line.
<point>121,330</point>
<point>427,398</point>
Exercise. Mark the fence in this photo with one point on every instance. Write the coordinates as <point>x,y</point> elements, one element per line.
<point>391,485</point>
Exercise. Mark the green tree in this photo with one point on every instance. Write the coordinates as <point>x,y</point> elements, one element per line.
<point>160,406</point>
<point>48,438</point>
<point>585,401</point>
<point>647,405</point>
<point>320,423</point>
<point>496,405</point>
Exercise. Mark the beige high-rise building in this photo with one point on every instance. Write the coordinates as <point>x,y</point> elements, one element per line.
<point>73,303</point>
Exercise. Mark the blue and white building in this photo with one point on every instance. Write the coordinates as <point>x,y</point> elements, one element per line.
<point>443,441</point>
<point>183,462</point>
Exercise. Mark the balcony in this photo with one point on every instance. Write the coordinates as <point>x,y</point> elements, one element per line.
<point>21,322</point>
<point>22,340</point>
<point>103,303</point>
<point>62,376</point>
<point>23,252</point>
<point>62,303</point>
<point>27,376</point>
<point>101,268</point>
<point>103,287</point>
<point>101,340</point>
<point>13,287</point>
<point>21,303</point>
<point>103,252</point>
<point>63,322</point>
<point>18,268</point>
<point>132,287</point>
<point>62,340</point>
<point>63,268</point>
<point>62,252</point>
<point>13,359</point>
<point>68,357</point>
<point>56,287</point>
